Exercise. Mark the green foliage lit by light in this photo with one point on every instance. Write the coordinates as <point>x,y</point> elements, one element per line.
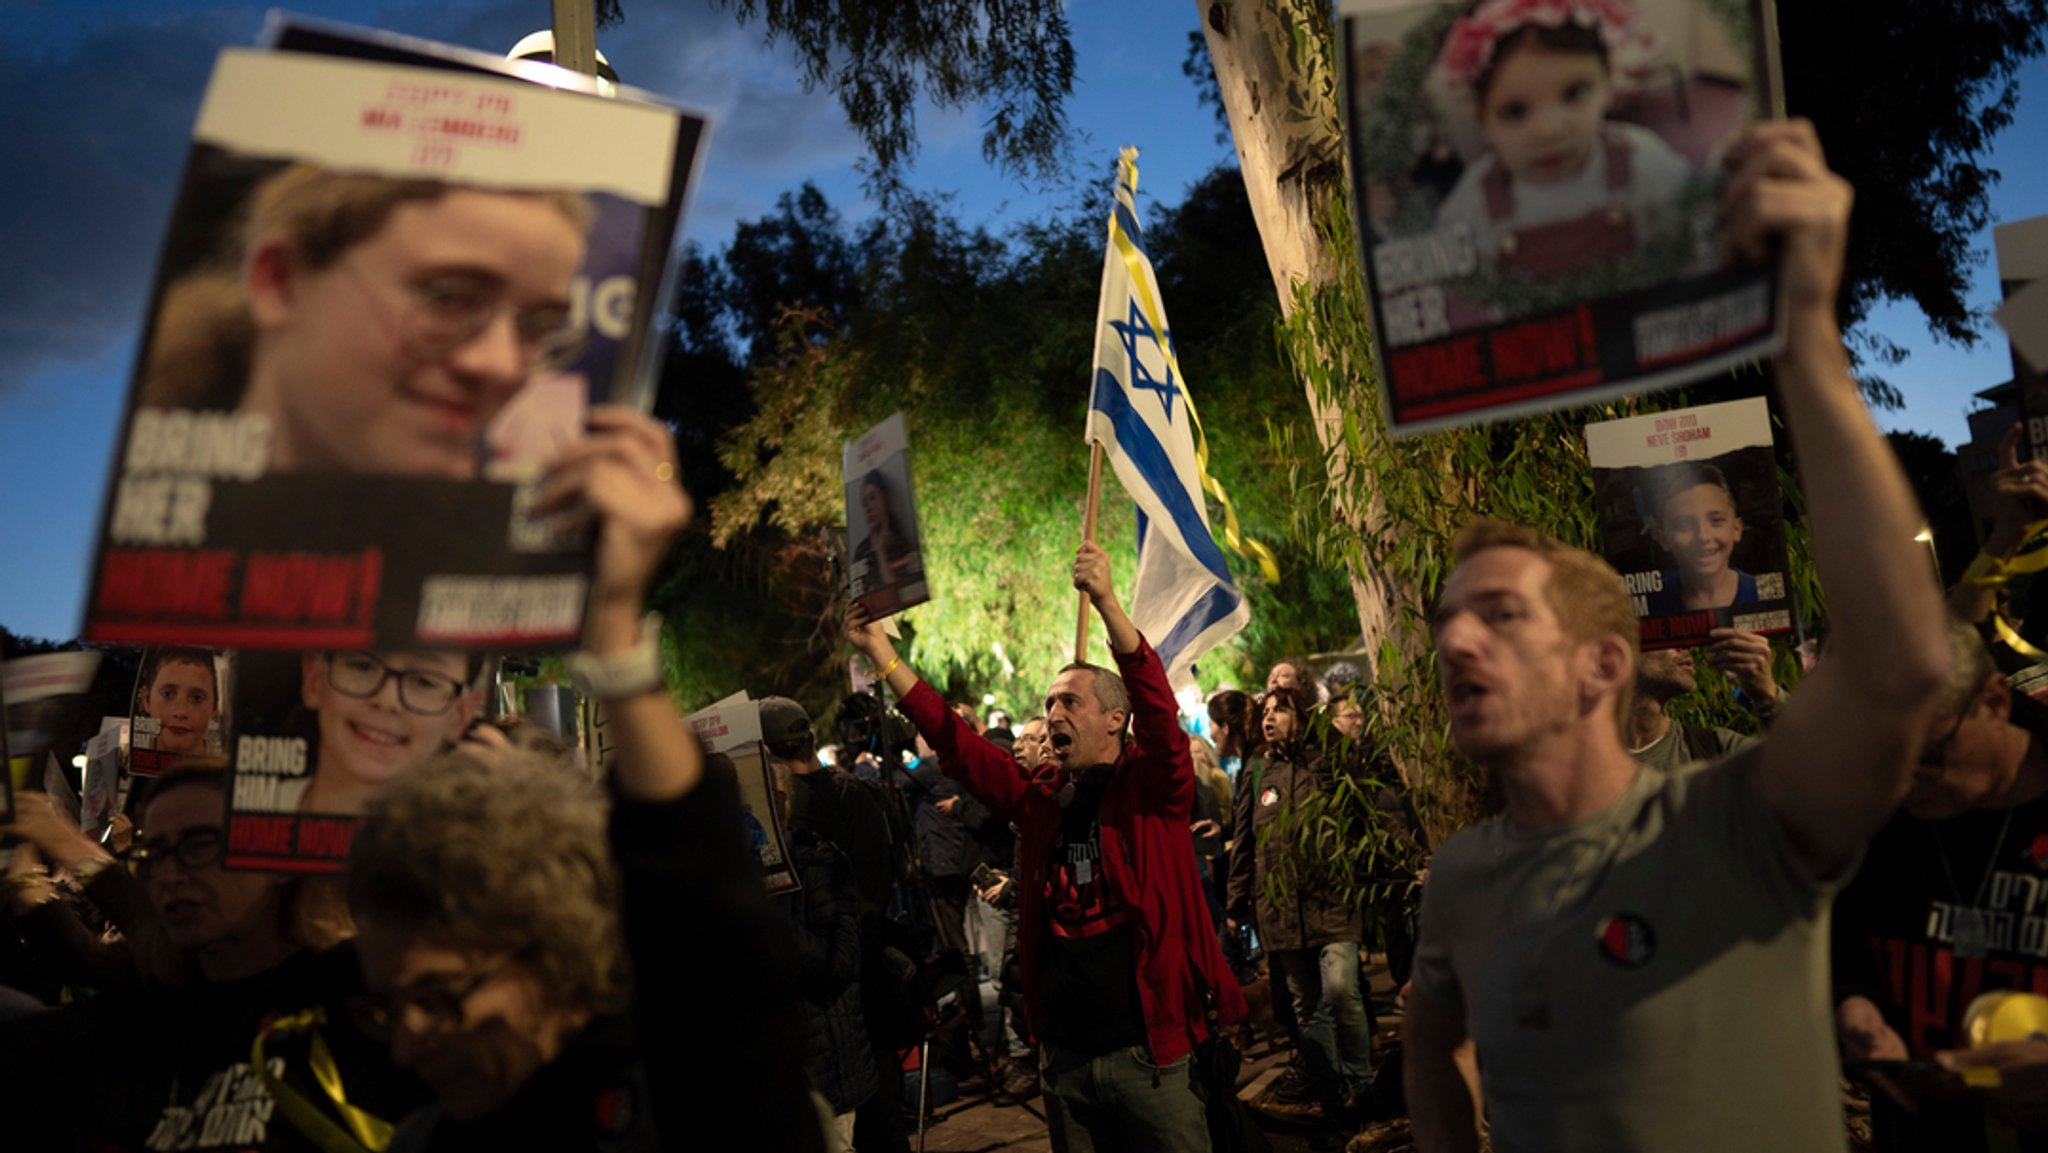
<point>984,343</point>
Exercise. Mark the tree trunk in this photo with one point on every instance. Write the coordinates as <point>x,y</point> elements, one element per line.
<point>1276,69</point>
<point>1279,92</point>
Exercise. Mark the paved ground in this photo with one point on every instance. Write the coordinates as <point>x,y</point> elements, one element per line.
<point>979,1125</point>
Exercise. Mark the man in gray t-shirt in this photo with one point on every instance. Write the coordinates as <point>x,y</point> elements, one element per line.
<point>1641,957</point>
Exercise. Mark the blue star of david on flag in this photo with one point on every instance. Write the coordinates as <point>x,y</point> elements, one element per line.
<point>1130,332</point>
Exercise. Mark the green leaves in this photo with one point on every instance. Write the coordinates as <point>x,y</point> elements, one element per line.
<point>1013,60</point>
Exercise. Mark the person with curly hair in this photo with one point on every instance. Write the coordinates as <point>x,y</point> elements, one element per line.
<point>501,905</point>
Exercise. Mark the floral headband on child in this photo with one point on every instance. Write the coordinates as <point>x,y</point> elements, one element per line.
<point>1468,50</point>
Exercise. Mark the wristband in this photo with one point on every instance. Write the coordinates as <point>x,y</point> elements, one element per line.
<point>616,676</point>
<point>889,668</point>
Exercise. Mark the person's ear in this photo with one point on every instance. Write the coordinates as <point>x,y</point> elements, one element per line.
<point>270,276</point>
<point>312,680</point>
<point>1610,668</point>
<point>1117,719</point>
<point>465,708</point>
<point>1995,698</point>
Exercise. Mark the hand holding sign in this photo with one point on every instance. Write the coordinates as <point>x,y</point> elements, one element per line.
<point>1782,191</point>
<point>623,477</point>
<point>1746,659</point>
<point>2020,497</point>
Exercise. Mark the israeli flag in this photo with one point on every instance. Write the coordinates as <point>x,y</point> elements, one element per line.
<point>1184,600</point>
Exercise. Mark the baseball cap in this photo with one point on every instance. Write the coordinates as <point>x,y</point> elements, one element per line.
<point>786,727</point>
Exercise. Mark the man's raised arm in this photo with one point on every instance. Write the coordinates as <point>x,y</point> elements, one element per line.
<point>1843,751</point>
<point>991,774</point>
<point>1155,714</point>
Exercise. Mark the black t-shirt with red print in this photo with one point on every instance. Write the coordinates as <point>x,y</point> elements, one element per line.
<point>1940,912</point>
<point>1089,983</point>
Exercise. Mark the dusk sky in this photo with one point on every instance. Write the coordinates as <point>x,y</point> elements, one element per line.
<point>101,98</point>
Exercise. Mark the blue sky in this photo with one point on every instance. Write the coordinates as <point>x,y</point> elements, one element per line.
<point>101,97</point>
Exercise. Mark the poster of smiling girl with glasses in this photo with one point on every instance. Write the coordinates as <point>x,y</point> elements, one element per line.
<point>387,297</point>
<point>318,734</point>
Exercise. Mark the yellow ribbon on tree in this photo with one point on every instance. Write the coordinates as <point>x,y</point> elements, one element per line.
<point>1136,264</point>
<point>366,1133</point>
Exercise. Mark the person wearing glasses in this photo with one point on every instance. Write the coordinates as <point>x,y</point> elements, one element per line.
<point>495,902</point>
<point>379,324</point>
<point>1948,903</point>
<point>380,715</point>
<point>220,961</point>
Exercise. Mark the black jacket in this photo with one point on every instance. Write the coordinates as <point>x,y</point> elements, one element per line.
<point>824,918</point>
<point>1267,803</point>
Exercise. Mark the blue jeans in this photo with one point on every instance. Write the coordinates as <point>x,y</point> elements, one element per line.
<point>1336,1042</point>
<point>1120,1102</point>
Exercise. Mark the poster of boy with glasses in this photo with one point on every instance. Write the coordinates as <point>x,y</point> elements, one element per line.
<point>319,733</point>
<point>387,297</point>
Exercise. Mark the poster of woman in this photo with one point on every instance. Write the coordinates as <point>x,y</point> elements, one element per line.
<point>1537,188</point>
<point>386,295</point>
<point>885,561</point>
<point>1692,517</point>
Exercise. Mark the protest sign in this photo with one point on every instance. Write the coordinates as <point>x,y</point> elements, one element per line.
<point>37,697</point>
<point>1536,191</point>
<point>7,778</point>
<point>369,268</point>
<point>316,735</point>
<point>2021,247</point>
<point>884,551</point>
<point>1691,516</point>
<point>100,789</point>
<point>179,708</point>
<point>732,727</point>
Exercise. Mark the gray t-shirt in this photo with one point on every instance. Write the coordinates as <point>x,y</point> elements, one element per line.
<point>1651,977</point>
<point>1684,744</point>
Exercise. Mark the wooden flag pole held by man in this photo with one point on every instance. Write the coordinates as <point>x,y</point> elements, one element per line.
<point>1088,534</point>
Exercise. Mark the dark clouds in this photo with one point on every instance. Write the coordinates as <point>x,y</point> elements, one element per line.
<point>98,123</point>
<point>94,145</point>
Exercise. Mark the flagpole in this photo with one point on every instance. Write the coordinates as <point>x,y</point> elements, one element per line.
<point>1088,534</point>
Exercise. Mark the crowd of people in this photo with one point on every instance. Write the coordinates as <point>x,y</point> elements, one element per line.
<point>1667,937</point>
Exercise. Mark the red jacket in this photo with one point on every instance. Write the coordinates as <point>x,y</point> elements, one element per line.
<point>1148,858</point>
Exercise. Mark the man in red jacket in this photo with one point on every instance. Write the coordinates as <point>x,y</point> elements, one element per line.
<point>1115,943</point>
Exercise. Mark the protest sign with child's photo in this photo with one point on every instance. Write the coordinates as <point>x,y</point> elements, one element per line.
<point>1537,197</point>
<point>318,734</point>
<point>1692,517</point>
<point>180,707</point>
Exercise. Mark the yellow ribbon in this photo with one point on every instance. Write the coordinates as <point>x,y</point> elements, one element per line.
<point>2030,557</point>
<point>2013,639</point>
<point>1136,264</point>
<point>371,1134</point>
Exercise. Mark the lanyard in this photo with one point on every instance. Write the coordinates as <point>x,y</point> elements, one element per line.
<point>367,1133</point>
